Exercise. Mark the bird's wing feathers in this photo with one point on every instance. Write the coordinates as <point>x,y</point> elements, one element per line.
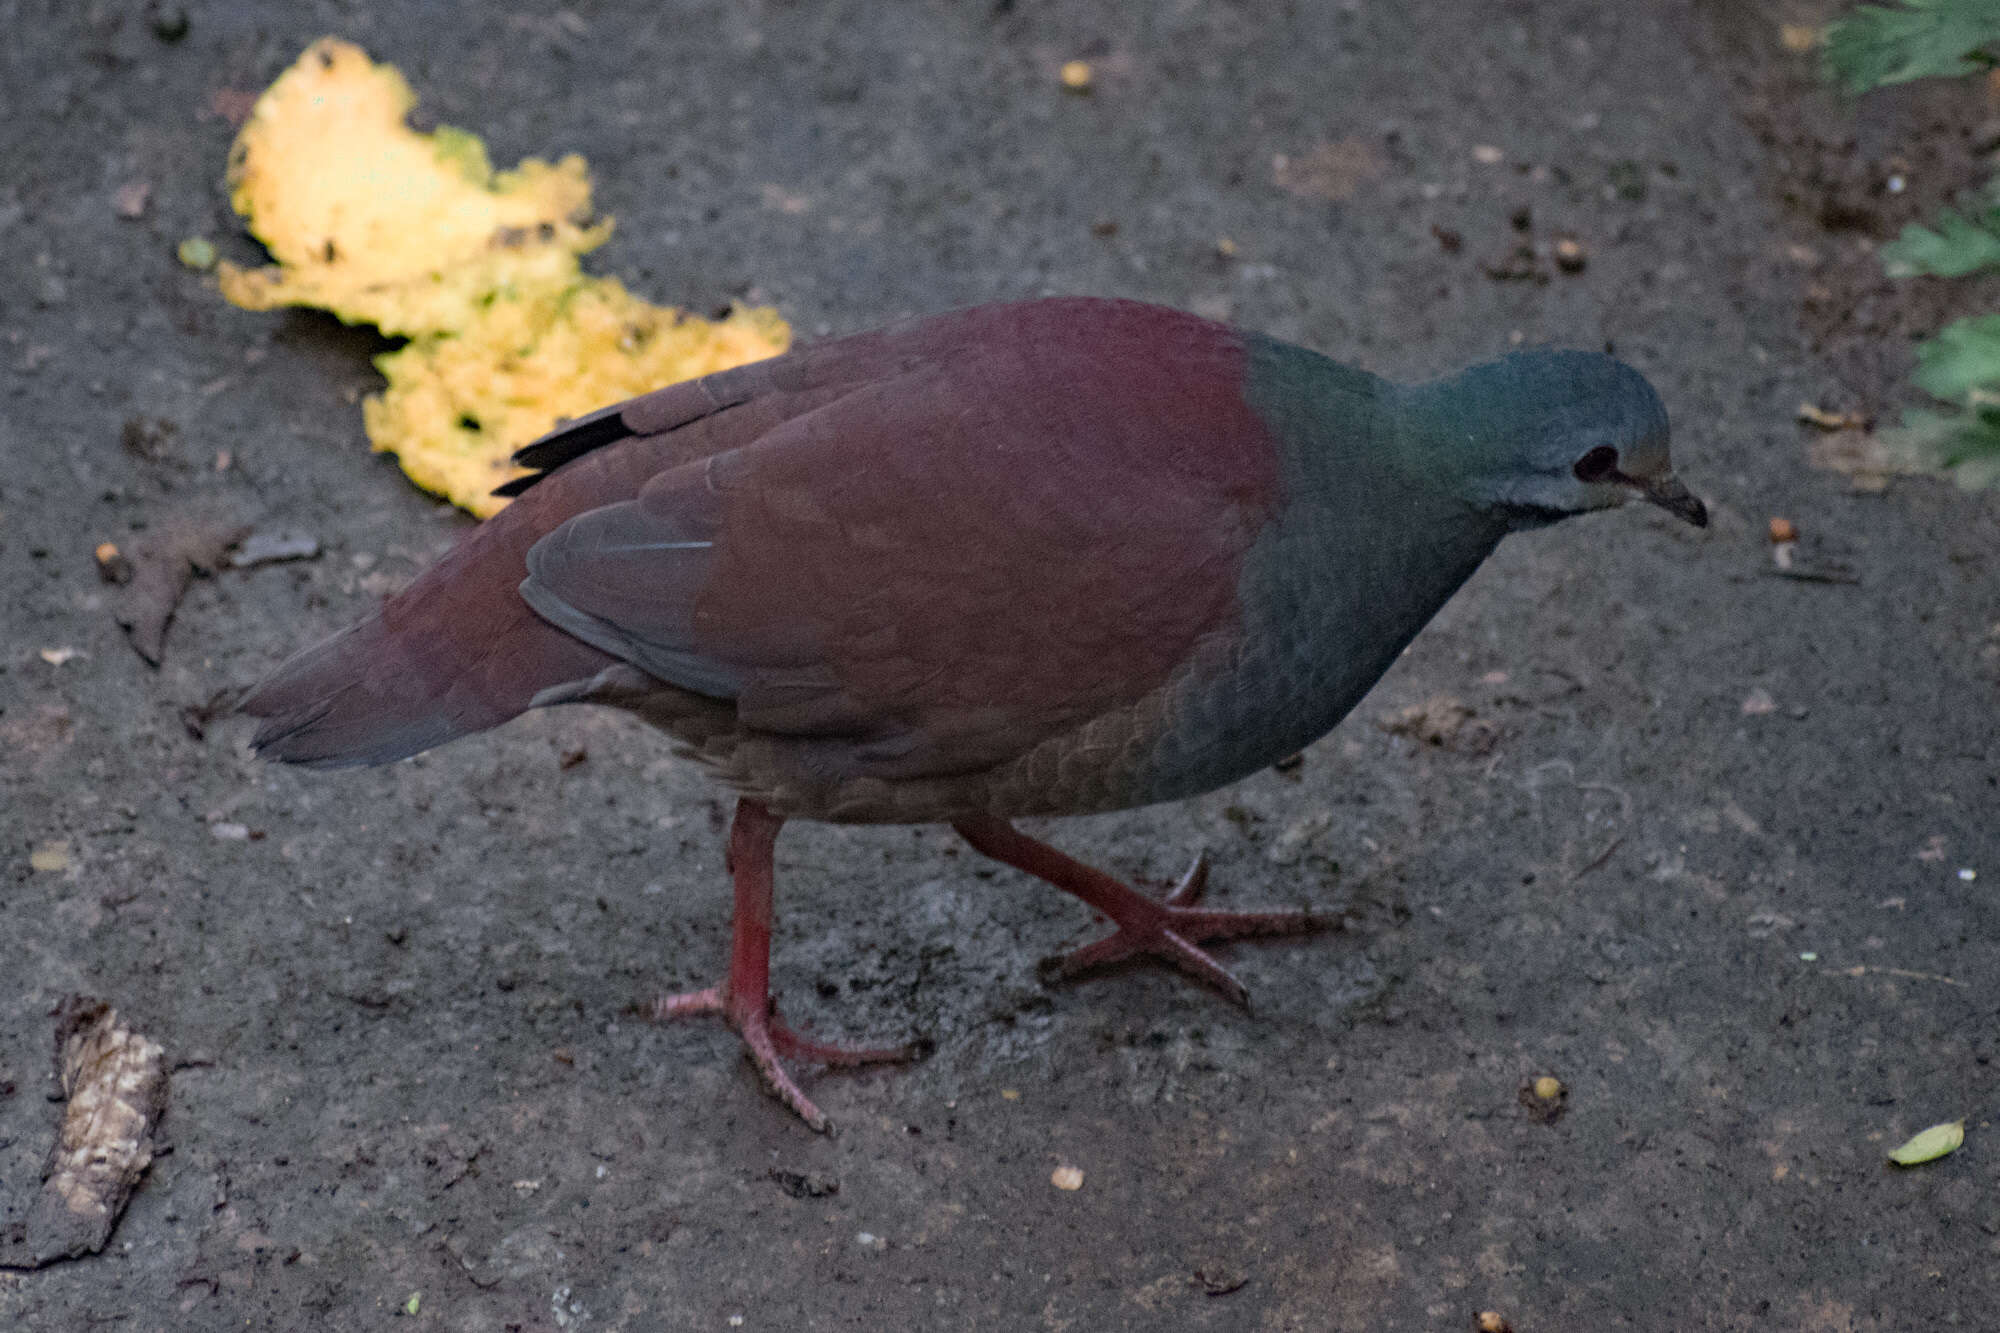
<point>985,543</point>
<point>776,389</point>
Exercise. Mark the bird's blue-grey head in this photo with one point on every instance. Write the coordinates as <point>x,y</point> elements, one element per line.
<point>1544,434</point>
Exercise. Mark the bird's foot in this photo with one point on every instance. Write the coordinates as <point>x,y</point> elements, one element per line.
<point>767,1041</point>
<point>1172,929</point>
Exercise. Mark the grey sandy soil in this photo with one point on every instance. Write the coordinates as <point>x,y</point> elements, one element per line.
<point>400,1003</point>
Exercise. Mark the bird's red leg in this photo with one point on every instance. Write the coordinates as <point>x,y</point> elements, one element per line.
<point>1170,930</point>
<point>744,1000</point>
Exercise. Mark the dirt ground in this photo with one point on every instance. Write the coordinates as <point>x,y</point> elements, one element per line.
<point>1728,867</point>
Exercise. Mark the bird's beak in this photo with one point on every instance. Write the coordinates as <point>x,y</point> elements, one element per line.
<point>1667,492</point>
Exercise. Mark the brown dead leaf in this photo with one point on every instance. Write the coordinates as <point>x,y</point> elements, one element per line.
<point>116,1084</point>
<point>131,199</point>
<point>1858,455</point>
<point>1332,171</point>
<point>1445,721</point>
<point>232,104</point>
<point>1826,419</point>
<point>1798,38</point>
<point>162,569</point>
<point>1218,1279</point>
<point>1758,703</point>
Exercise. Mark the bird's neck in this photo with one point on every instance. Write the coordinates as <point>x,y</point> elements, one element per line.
<point>1460,439</point>
<point>1367,445</point>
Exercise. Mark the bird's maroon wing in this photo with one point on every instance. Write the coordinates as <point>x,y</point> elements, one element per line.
<point>1029,516</point>
<point>458,651</point>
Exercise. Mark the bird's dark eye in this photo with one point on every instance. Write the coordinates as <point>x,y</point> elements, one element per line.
<point>1600,464</point>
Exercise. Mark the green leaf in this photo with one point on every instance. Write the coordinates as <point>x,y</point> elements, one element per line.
<point>1920,39</point>
<point>1965,355</point>
<point>1963,444</point>
<point>1959,245</point>
<point>1930,1145</point>
<point>197,252</point>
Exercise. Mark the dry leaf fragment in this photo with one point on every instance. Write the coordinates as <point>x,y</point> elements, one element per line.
<point>804,1184</point>
<point>264,548</point>
<point>1443,721</point>
<point>1798,38</point>
<point>162,572</point>
<point>112,566</point>
<point>1331,171</point>
<point>1826,419</point>
<point>131,199</point>
<point>1931,1144</point>
<point>116,1084</point>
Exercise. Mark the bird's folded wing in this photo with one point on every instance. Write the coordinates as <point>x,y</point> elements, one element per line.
<point>944,565</point>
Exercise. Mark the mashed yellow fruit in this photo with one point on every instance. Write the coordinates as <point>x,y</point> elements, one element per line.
<point>418,235</point>
<point>528,360</point>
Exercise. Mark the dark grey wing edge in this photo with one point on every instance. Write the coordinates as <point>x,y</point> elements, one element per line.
<point>652,413</point>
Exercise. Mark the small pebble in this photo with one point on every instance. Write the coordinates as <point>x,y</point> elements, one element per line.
<point>1067,1178</point>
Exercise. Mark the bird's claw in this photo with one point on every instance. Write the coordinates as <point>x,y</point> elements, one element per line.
<point>1172,930</point>
<point>768,1041</point>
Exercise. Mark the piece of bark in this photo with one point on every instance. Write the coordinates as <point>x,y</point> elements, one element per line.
<point>162,569</point>
<point>116,1084</point>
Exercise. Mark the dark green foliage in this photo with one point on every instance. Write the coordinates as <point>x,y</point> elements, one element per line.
<point>1918,39</point>
<point>1959,245</point>
<point>1960,359</point>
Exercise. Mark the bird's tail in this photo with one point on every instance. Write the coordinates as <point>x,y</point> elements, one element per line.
<point>456,652</point>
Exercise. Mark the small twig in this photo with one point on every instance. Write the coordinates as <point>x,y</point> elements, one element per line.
<point>1862,970</point>
<point>1597,862</point>
<point>1815,574</point>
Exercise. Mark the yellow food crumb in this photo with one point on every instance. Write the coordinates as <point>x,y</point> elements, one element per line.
<point>418,235</point>
<point>1066,1178</point>
<point>1076,75</point>
<point>1798,38</point>
<point>1548,1088</point>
